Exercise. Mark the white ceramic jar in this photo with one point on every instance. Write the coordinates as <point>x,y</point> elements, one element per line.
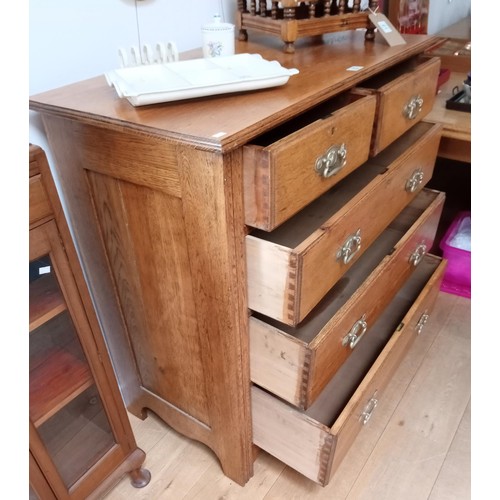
<point>217,38</point>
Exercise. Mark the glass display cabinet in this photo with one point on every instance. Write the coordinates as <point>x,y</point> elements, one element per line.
<point>80,438</point>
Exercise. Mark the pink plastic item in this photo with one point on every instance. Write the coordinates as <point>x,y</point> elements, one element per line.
<point>457,277</point>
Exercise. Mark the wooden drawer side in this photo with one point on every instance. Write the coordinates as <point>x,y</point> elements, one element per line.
<point>278,362</point>
<point>273,282</point>
<point>292,437</point>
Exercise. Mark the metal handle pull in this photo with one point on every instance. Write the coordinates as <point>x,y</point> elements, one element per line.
<point>350,247</point>
<point>413,107</point>
<point>332,161</point>
<point>368,410</point>
<point>421,322</point>
<point>418,254</point>
<point>415,180</point>
<point>356,332</point>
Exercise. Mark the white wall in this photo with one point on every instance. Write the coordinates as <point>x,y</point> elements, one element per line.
<point>79,39</point>
<point>444,13</point>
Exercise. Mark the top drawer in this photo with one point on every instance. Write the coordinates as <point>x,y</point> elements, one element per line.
<point>287,168</point>
<point>405,94</point>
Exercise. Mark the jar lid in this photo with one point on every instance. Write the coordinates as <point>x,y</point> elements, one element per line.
<point>217,25</point>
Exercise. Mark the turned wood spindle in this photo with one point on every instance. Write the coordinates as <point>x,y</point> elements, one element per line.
<point>289,13</point>
<point>328,6</point>
<point>242,5</point>
<point>262,8</point>
<point>356,5</point>
<point>312,9</point>
<point>342,6</point>
<point>274,9</point>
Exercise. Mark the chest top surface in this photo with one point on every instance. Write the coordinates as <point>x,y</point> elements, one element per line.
<point>225,122</point>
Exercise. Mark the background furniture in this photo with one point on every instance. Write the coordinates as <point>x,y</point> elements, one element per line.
<point>456,136</point>
<point>426,16</point>
<point>181,209</point>
<point>291,20</point>
<point>80,437</point>
<point>454,50</point>
<point>409,16</point>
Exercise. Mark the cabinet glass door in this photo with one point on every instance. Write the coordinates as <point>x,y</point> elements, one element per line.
<point>65,406</point>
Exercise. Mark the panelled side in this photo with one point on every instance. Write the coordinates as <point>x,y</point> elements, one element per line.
<point>148,257</point>
<point>158,220</point>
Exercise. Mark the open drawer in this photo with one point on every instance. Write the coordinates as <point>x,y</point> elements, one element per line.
<point>290,269</point>
<point>405,94</point>
<point>295,363</point>
<point>292,165</point>
<point>315,441</point>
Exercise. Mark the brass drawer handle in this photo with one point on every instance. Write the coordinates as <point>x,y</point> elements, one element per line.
<point>421,322</point>
<point>415,180</point>
<point>332,161</point>
<point>413,107</point>
<point>350,247</point>
<point>354,335</point>
<point>368,410</point>
<point>418,254</point>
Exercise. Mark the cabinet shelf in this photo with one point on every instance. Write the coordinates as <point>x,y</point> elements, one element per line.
<point>60,378</point>
<point>46,301</point>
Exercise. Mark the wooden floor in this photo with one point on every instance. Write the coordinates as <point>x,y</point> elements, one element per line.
<point>416,445</point>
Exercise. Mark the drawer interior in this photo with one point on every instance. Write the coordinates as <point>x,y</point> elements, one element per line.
<point>332,400</point>
<point>300,226</point>
<point>307,330</point>
<point>391,74</point>
<point>319,112</point>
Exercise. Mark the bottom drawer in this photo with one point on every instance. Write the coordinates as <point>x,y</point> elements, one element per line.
<point>313,442</point>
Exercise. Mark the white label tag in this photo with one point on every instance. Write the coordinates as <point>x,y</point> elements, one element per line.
<point>354,68</point>
<point>44,270</point>
<point>384,27</point>
<point>387,31</point>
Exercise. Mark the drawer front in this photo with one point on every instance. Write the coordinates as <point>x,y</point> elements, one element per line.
<point>304,440</point>
<point>298,370</point>
<point>285,176</point>
<point>404,102</point>
<point>370,392</point>
<point>40,207</point>
<point>286,283</point>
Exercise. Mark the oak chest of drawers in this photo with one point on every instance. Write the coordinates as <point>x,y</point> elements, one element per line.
<point>259,260</point>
